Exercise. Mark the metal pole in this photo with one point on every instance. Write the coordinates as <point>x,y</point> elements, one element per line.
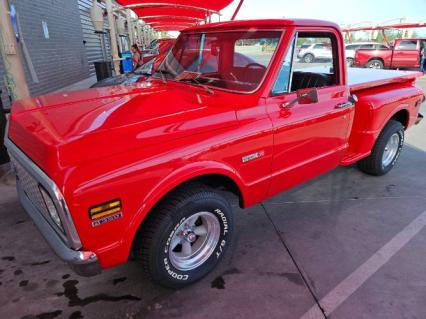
<point>113,35</point>
<point>130,28</point>
<point>237,10</point>
<point>14,69</point>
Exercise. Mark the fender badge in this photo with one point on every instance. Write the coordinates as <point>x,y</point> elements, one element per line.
<point>106,219</point>
<point>253,156</point>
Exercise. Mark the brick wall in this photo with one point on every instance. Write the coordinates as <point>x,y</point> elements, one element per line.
<point>60,60</point>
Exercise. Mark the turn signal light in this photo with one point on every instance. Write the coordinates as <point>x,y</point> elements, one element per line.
<point>105,209</point>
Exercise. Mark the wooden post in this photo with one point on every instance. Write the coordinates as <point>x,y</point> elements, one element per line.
<point>14,68</point>
<point>130,27</point>
<point>113,35</point>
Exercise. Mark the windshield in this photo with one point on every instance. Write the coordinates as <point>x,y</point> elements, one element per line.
<point>234,61</point>
<point>146,68</point>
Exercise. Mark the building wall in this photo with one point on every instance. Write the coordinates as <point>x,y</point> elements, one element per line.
<point>59,60</point>
<point>3,95</point>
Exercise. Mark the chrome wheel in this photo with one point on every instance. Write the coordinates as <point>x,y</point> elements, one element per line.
<point>375,65</point>
<point>194,241</point>
<point>391,150</point>
<point>308,58</point>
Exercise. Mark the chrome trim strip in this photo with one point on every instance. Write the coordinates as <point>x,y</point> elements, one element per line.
<point>70,231</point>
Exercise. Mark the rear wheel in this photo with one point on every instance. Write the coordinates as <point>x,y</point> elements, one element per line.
<point>308,58</point>
<point>386,151</point>
<point>375,64</point>
<point>350,61</point>
<point>185,237</point>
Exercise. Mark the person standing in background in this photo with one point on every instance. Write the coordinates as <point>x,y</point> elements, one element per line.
<point>136,56</point>
<point>423,57</point>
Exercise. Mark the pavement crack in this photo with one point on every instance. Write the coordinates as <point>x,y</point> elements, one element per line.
<point>286,247</point>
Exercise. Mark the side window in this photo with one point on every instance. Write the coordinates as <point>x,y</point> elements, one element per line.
<point>381,47</point>
<point>301,71</point>
<point>352,47</point>
<point>407,45</point>
<point>367,46</point>
<point>282,84</point>
<point>315,68</point>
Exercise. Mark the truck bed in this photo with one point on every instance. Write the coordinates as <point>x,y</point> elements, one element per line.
<point>360,79</point>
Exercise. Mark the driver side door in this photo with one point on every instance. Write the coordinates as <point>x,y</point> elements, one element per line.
<point>309,139</point>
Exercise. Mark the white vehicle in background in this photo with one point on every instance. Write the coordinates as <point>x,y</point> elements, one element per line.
<point>351,48</point>
<point>315,51</point>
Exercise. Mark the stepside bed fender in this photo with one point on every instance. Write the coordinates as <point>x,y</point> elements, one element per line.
<point>374,109</point>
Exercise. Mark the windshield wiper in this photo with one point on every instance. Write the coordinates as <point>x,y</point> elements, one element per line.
<point>195,81</point>
<point>162,74</point>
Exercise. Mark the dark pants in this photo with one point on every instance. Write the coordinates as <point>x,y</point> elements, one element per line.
<point>4,157</point>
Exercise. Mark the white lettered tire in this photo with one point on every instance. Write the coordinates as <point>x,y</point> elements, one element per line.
<point>185,236</point>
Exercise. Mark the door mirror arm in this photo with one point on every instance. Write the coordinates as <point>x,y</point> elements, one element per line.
<point>304,96</point>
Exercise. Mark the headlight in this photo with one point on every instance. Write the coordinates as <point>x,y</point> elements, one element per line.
<point>51,208</point>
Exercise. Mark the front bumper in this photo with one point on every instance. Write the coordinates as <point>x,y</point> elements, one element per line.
<point>84,263</point>
<point>66,244</point>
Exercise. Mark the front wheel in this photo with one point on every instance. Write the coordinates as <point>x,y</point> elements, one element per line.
<point>185,237</point>
<point>308,58</point>
<point>386,151</point>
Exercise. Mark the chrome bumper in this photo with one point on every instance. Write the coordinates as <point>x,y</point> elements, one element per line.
<point>84,263</point>
<point>66,244</point>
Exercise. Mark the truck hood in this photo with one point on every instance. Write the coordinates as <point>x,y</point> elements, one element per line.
<point>65,129</point>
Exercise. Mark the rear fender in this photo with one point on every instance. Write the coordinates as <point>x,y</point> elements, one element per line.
<point>375,109</point>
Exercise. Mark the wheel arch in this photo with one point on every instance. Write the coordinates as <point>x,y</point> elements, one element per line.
<point>215,175</point>
<point>402,116</point>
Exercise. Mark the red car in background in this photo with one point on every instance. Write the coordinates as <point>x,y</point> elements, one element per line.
<point>405,53</point>
<point>161,47</point>
<point>151,62</point>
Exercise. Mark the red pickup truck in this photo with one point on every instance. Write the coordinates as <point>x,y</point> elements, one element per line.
<point>141,170</point>
<point>405,53</point>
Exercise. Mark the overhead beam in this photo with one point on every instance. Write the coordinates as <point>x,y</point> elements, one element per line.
<point>167,5</point>
<point>171,17</point>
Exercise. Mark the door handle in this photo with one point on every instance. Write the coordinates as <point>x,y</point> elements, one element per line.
<point>344,105</point>
<point>351,102</point>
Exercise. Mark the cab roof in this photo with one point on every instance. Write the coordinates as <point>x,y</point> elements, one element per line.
<point>263,23</point>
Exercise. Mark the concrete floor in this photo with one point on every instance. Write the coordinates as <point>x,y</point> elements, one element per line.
<point>352,243</point>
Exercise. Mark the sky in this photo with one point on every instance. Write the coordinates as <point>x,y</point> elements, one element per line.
<point>343,12</point>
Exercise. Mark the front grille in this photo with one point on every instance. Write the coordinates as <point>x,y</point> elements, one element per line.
<point>30,186</point>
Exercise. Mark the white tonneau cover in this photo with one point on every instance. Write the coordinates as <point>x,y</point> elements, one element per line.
<point>359,79</point>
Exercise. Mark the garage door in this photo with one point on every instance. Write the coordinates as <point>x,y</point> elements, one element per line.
<point>92,40</point>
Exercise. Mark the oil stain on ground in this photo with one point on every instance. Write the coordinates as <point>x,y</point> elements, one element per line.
<point>71,292</point>
<point>45,315</point>
<point>118,280</point>
<point>76,315</point>
<point>8,258</point>
<point>218,283</point>
<point>40,263</point>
